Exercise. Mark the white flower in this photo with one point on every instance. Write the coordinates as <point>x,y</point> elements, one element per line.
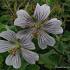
<point>16,47</point>
<point>38,25</point>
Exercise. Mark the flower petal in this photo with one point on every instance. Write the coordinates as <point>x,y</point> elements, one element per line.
<point>29,56</point>
<point>16,61</point>
<point>22,14</point>
<point>8,60</point>
<point>23,19</point>
<point>24,33</point>
<point>13,60</point>
<point>55,21</point>
<point>42,12</point>
<point>8,35</point>
<point>44,39</point>
<point>53,26</point>
<point>4,46</point>
<point>27,43</point>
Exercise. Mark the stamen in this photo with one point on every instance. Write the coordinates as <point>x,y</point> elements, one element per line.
<point>14,50</point>
<point>38,25</point>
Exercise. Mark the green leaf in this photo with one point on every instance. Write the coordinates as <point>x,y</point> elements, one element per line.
<point>67,48</point>
<point>51,1</point>
<point>60,47</point>
<point>2,27</point>
<point>66,36</point>
<point>32,67</point>
<point>4,19</point>
<point>40,1</point>
<point>23,65</point>
<point>50,59</point>
<point>1,61</point>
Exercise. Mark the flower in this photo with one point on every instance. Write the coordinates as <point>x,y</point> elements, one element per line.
<point>38,25</point>
<point>17,47</point>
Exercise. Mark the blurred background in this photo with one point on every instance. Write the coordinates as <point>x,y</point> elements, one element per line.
<point>56,59</point>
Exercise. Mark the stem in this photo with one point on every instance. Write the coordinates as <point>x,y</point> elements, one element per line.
<point>61,54</point>
<point>8,6</point>
<point>58,52</point>
<point>26,5</point>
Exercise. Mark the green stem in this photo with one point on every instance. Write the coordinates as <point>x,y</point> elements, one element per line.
<point>58,51</point>
<point>63,55</point>
<point>26,6</point>
<point>8,6</point>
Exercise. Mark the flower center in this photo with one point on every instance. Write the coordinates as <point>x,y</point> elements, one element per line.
<point>36,28</point>
<point>15,49</point>
<point>37,25</point>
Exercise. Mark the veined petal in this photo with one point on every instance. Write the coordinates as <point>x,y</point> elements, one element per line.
<point>55,21</point>
<point>16,61</point>
<point>56,30</point>
<point>42,12</point>
<point>4,46</point>
<point>44,39</point>
<point>8,60</point>
<point>53,26</point>
<point>26,42</point>
<point>28,45</point>
<point>13,60</point>
<point>23,22</point>
<point>29,56</point>
<point>8,35</point>
<point>22,14</point>
<point>23,19</point>
<point>26,33</point>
